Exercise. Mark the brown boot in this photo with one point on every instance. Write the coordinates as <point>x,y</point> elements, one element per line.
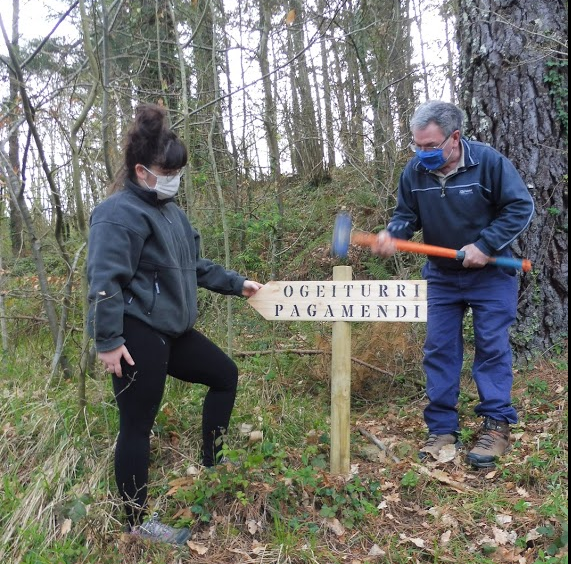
<point>435,443</point>
<point>493,442</point>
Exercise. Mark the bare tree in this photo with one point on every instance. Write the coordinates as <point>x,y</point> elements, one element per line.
<point>308,149</point>
<point>16,226</point>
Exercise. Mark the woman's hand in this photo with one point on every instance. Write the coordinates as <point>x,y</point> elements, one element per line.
<point>250,288</point>
<point>112,360</point>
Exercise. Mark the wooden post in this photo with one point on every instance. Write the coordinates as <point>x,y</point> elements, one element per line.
<point>341,387</point>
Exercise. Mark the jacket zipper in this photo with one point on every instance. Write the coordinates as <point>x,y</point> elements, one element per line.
<point>156,291</point>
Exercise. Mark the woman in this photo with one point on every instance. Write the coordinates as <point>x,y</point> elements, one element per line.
<point>144,270</point>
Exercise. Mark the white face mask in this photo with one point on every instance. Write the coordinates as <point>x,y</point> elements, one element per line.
<point>166,186</point>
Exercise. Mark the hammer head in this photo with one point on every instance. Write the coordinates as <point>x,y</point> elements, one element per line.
<point>341,235</point>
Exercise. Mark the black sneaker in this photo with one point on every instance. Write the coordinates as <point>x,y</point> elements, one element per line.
<point>156,531</point>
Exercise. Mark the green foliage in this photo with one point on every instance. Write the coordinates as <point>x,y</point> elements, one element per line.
<point>410,479</point>
<point>558,537</point>
<point>352,502</point>
<point>556,80</point>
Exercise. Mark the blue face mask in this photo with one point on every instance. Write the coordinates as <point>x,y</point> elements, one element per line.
<point>432,160</point>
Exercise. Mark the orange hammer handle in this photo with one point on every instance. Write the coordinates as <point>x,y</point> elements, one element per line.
<point>364,239</point>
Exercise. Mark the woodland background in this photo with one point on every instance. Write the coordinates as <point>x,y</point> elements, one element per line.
<point>291,111</point>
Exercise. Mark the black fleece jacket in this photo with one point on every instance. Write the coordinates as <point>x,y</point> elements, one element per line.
<point>143,261</point>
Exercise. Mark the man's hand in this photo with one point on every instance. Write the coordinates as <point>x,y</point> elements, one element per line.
<point>474,257</point>
<point>384,245</point>
<point>250,288</point>
<point>112,360</point>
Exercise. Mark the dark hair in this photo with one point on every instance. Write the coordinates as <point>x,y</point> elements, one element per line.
<point>445,115</point>
<point>150,142</point>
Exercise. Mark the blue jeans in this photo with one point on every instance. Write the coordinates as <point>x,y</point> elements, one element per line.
<point>491,293</point>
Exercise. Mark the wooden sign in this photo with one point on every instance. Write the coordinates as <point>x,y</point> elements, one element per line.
<point>339,300</point>
<point>342,301</point>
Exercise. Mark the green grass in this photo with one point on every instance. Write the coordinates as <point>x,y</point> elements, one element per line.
<point>57,476</point>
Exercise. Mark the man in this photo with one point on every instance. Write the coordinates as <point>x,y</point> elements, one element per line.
<point>463,195</point>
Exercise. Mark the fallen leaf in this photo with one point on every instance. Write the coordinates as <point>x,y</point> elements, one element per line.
<point>336,526</point>
<point>200,549</point>
<point>532,535</point>
<point>445,537</point>
<point>504,537</point>
<point>503,519</point>
<point>246,428</point>
<point>376,550</point>
<point>192,471</point>
<point>416,541</point>
<point>252,526</point>
<point>450,521</point>
<point>65,527</point>
<point>256,437</point>
<point>447,453</point>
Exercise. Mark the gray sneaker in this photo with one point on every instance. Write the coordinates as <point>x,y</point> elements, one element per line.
<point>434,444</point>
<point>156,531</point>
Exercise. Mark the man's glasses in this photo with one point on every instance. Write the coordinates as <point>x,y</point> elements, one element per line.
<point>414,147</point>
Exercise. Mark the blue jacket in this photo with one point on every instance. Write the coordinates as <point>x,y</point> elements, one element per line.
<point>143,261</point>
<point>485,202</point>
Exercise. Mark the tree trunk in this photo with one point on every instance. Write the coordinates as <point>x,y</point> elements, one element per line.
<point>513,65</point>
<point>325,62</point>
<point>16,225</point>
<point>308,147</point>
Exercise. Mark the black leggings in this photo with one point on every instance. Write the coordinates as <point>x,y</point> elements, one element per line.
<point>191,358</point>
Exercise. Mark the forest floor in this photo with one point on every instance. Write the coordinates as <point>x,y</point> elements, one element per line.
<point>278,503</point>
<point>392,508</point>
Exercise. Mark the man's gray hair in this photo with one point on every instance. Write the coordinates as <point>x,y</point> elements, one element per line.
<point>445,115</point>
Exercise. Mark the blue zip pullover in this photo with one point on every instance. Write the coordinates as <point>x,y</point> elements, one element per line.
<point>485,202</point>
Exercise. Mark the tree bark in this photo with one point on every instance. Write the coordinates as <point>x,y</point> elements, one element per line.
<point>513,65</point>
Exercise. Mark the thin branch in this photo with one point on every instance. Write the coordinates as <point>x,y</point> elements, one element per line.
<point>310,352</point>
<point>45,39</point>
<point>378,443</point>
<point>317,35</point>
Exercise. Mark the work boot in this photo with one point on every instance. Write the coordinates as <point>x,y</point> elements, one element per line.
<point>434,444</point>
<point>156,531</point>
<point>493,442</point>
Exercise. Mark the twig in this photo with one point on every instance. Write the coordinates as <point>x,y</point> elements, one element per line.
<point>309,352</point>
<point>443,478</point>
<point>378,443</point>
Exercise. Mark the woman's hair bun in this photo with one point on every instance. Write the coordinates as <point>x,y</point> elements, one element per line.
<point>150,120</point>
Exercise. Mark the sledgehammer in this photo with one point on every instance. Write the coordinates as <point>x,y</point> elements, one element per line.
<point>343,236</point>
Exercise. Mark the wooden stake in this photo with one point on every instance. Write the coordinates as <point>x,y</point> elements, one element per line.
<point>341,386</point>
